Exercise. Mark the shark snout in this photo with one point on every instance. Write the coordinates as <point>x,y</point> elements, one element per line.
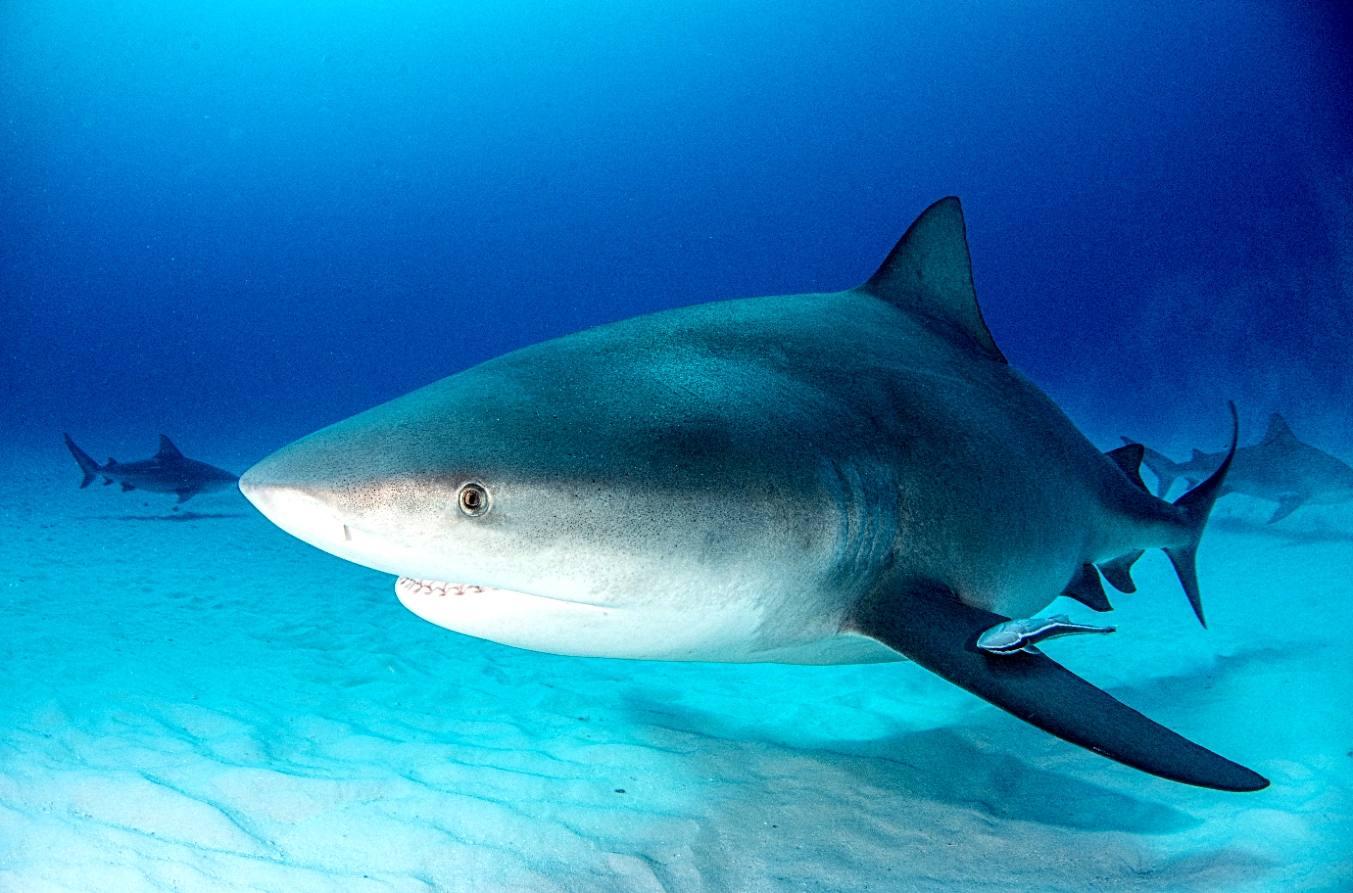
<point>291,493</point>
<point>251,486</point>
<point>335,515</point>
<point>299,510</point>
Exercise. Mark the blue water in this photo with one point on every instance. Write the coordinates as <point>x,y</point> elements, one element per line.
<point>236,223</point>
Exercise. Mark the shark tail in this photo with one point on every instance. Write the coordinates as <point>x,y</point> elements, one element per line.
<point>1166,470</point>
<point>86,462</point>
<point>1195,506</point>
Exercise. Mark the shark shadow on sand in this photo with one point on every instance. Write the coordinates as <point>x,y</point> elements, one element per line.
<point>1294,536</point>
<point>175,517</point>
<point>945,766</point>
<point>942,765</point>
<point>938,777</point>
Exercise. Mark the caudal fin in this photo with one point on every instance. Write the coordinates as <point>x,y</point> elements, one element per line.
<point>86,463</point>
<point>1196,505</point>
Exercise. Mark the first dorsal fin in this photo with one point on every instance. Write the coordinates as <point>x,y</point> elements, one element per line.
<point>930,273</point>
<point>1278,430</point>
<point>167,449</point>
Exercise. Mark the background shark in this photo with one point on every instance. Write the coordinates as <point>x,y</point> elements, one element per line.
<point>817,478</point>
<point>168,471</point>
<point>1279,468</point>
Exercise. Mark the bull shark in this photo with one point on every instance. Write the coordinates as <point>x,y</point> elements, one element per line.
<point>168,471</point>
<point>1279,468</point>
<point>830,478</point>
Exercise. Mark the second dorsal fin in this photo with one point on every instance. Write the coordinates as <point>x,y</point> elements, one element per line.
<point>1128,457</point>
<point>929,273</point>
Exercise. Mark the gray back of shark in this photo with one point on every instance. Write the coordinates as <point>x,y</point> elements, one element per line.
<point>168,471</point>
<point>1279,468</point>
<point>819,478</point>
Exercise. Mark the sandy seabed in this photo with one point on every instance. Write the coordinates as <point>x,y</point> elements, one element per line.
<point>193,701</point>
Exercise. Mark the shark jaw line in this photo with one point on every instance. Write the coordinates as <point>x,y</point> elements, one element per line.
<point>418,587</point>
<point>439,588</point>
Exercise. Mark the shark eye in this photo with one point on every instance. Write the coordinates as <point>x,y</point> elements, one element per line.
<point>473,500</point>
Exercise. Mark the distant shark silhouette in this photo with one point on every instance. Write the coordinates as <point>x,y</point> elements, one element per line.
<point>168,471</point>
<point>1279,468</point>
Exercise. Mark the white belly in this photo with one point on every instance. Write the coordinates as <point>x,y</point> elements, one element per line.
<point>642,633</point>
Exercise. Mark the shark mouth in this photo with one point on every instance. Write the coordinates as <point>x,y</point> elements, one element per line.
<point>409,587</point>
<point>438,588</point>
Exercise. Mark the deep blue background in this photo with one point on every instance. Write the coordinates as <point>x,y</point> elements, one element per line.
<point>238,222</point>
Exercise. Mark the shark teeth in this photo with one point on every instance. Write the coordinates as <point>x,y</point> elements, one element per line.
<point>439,588</point>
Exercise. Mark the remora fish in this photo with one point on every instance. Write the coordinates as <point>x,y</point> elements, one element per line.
<point>816,478</point>
<point>1026,633</point>
<point>1280,468</point>
<point>168,471</point>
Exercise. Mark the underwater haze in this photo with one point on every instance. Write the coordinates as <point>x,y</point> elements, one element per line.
<point>234,224</point>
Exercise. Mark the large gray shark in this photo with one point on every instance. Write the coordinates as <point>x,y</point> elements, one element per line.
<point>816,478</point>
<point>1280,468</point>
<point>168,471</point>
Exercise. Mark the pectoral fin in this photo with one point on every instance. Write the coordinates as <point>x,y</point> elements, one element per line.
<point>931,626</point>
<point>1286,506</point>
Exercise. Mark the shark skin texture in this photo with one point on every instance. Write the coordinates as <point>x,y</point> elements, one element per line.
<point>829,478</point>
